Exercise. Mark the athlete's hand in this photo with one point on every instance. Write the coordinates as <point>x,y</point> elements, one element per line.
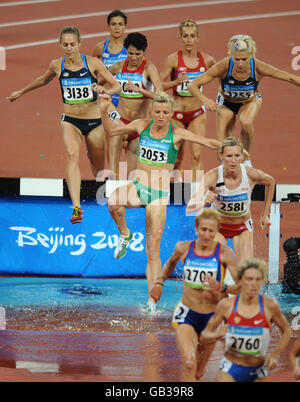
<point>212,337</point>
<point>99,89</point>
<point>104,102</point>
<point>131,87</point>
<point>246,154</point>
<point>221,332</point>
<point>297,371</point>
<point>210,198</point>
<point>271,362</point>
<point>210,104</point>
<point>15,95</point>
<point>265,222</point>
<point>182,78</point>
<point>213,284</point>
<point>156,292</point>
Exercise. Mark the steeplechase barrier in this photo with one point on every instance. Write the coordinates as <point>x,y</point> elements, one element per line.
<point>37,238</point>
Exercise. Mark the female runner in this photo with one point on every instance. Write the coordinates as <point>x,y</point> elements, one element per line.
<point>240,75</point>
<point>158,144</point>
<point>180,68</point>
<point>81,118</point>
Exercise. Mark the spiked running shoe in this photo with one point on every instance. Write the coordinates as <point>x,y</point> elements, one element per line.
<point>121,248</point>
<point>77,215</point>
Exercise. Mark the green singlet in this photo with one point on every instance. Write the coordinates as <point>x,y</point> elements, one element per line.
<point>157,152</point>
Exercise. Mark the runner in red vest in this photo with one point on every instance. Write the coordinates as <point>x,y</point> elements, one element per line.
<point>139,80</point>
<point>181,67</point>
<point>249,317</point>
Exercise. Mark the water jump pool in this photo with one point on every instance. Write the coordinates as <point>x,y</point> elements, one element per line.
<point>91,329</point>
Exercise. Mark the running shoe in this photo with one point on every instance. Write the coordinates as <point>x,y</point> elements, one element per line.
<point>77,215</point>
<point>121,248</point>
<point>150,308</point>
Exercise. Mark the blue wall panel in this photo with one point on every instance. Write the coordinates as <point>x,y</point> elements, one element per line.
<point>36,237</point>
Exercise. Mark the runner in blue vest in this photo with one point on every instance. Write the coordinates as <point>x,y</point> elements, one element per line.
<point>202,258</point>
<point>112,50</point>
<point>81,115</point>
<point>240,75</point>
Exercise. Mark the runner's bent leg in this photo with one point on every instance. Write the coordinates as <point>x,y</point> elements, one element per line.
<point>123,197</point>
<point>155,222</point>
<point>247,115</point>
<point>187,341</point>
<point>204,352</point>
<point>198,127</point>
<point>243,245</point>
<point>95,144</point>
<point>72,141</point>
<point>225,121</point>
<point>132,155</point>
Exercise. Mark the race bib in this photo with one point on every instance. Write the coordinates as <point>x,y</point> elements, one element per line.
<point>114,115</point>
<point>194,276</point>
<point>77,90</point>
<point>235,205</point>
<point>182,90</point>
<point>244,340</point>
<point>136,79</point>
<point>153,152</point>
<point>239,92</point>
<point>180,313</point>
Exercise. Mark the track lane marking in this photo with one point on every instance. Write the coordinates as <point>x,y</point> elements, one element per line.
<point>168,26</point>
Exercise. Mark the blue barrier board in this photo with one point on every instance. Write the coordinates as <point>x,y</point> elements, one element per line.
<point>37,238</point>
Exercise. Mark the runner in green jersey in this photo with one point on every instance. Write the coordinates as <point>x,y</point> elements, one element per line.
<point>159,142</point>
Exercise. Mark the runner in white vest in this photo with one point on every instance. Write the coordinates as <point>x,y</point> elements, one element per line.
<point>227,189</point>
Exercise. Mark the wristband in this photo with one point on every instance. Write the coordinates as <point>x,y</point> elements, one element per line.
<point>224,287</point>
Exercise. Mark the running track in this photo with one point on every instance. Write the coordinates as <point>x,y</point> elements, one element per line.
<point>30,126</point>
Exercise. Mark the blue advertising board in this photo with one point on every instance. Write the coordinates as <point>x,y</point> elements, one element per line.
<point>37,238</point>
